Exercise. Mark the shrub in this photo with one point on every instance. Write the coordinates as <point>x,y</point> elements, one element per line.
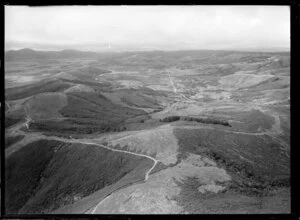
<point>170,119</point>
<point>199,120</point>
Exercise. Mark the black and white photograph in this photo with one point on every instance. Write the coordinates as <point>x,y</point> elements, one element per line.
<point>158,109</point>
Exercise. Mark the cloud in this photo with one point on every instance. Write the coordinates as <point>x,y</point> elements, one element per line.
<point>203,27</point>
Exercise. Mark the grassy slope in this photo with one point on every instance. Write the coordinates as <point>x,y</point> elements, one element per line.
<point>138,101</point>
<point>135,176</point>
<point>13,139</point>
<point>46,105</point>
<point>253,120</point>
<point>49,180</point>
<point>136,97</point>
<point>9,121</point>
<point>98,86</point>
<point>33,89</point>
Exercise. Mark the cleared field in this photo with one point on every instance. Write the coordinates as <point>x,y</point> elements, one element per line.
<point>157,195</point>
<point>159,142</point>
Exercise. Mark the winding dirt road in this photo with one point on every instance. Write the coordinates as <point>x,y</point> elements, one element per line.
<point>96,207</point>
<point>38,136</point>
<point>116,150</point>
<point>174,89</point>
<point>34,136</point>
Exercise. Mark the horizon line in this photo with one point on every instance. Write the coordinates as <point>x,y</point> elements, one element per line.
<point>264,50</point>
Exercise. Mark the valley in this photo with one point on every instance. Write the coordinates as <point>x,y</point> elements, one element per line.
<point>156,132</point>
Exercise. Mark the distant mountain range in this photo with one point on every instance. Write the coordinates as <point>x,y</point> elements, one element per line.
<point>33,54</point>
<point>29,54</point>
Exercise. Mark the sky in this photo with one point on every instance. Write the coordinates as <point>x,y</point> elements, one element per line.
<point>119,28</point>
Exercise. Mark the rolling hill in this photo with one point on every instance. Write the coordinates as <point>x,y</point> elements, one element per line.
<point>156,132</point>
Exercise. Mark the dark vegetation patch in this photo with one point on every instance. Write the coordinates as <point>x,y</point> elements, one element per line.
<point>56,173</point>
<point>199,120</point>
<point>138,119</point>
<point>12,139</point>
<point>137,175</point>
<point>89,113</point>
<point>255,162</point>
<point>34,89</point>
<point>230,202</point>
<point>246,180</point>
<point>170,119</point>
<point>224,202</point>
<point>70,127</point>
<point>9,121</point>
<point>142,124</point>
<point>22,173</point>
